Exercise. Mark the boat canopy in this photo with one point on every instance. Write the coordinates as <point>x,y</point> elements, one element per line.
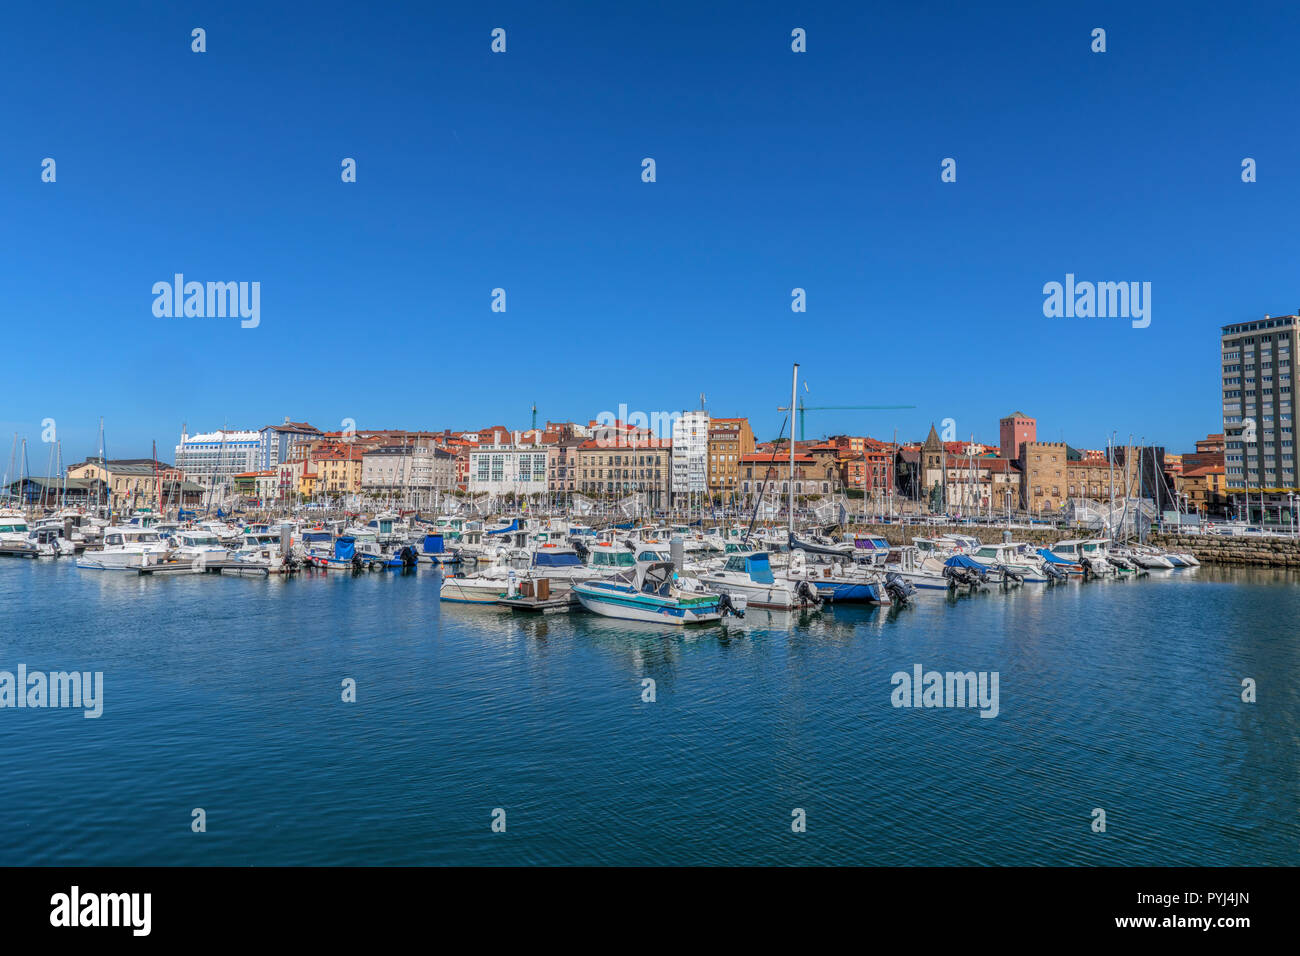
<point>1053,558</point>
<point>433,544</point>
<point>344,548</point>
<point>871,543</point>
<point>556,559</point>
<point>513,526</point>
<point>755,565</point>
<point>310,537</point>
<point>964,561</point>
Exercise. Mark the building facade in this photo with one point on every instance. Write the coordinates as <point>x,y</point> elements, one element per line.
<point>562,466</point>
<point>417,471</point>
<point>690,453</point>
<point>214,458</point>
<point>729,440</point>
<point>1014,431</point>
<point>507,470</point>
<point>285,442</point>
<point>636,463</point>
<point>1260,455</point>
<point>769,475</point>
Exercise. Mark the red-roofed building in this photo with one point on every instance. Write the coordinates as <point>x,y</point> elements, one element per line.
<point>1206,489</point>
<point>620,461</point>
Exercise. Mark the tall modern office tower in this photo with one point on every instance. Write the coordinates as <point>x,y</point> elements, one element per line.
<point>1258,364</point>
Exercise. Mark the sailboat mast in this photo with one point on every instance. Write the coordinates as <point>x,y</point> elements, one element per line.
<point>794,395</point>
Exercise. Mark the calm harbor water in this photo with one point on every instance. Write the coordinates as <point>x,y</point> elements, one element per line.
<point>224,693</point>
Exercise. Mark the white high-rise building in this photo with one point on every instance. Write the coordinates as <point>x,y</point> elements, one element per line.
<point>690,454</point>
<point>215,457</point>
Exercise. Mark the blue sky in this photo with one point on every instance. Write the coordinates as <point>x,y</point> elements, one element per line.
<point>522,170</point>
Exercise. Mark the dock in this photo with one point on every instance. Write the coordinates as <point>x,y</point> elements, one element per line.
<point>241,568</point>
<point>550,605</point>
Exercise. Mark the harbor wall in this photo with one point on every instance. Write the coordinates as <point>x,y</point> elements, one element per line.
<point>1207,548</point>
<point>1234,549</point>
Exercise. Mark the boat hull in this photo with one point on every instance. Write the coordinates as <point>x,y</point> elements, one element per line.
<point>629,606</point>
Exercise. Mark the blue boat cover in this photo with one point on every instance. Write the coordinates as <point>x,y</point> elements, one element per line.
<point>344,548</point>
<point>433,544</point>
<point>557,559</point>
<point>1051,558</point>
<point>759,568</point>
<point>964,561</point>
<point>514,526</point>
<point>316,536</point>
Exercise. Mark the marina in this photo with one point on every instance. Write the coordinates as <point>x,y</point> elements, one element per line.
<point>223,692</point>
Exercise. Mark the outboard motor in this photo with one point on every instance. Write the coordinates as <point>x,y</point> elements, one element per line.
<point>409,559</point>
<point>357,564</point>
<point>962,577</point>
<point>1054,574</point>
<point>808,593</point>
<point>725,605</point>
<point>1009,576</point>
<point>898,588</point>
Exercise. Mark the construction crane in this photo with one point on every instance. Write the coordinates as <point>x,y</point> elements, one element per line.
<point>825,408</point>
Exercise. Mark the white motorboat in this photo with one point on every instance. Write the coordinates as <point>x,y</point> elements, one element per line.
<point>1014,559</point>
<point>198,547</point>
<point>50,543</point>
<point>126,549</point>
<point>750,576</point>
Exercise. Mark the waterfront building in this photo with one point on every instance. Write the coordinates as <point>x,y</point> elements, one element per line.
<point>212,459</point>
<point>1014,432</point>
<point>623,461</point>
<point>1205,490</point>
<point>285,442</point>
<point>507,469</point>
<point>1258,362</point>
<point>980,483</point>
<point>866,464</point>
<point>768,473</point>
<point>562,465</point>
<point>1044,486</point>
<point>729,440</point>
<point>690,452</point>
<point>1209,452</point>
<point>134,482</point>
<point>417,470</point>
<point>338,468</point>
